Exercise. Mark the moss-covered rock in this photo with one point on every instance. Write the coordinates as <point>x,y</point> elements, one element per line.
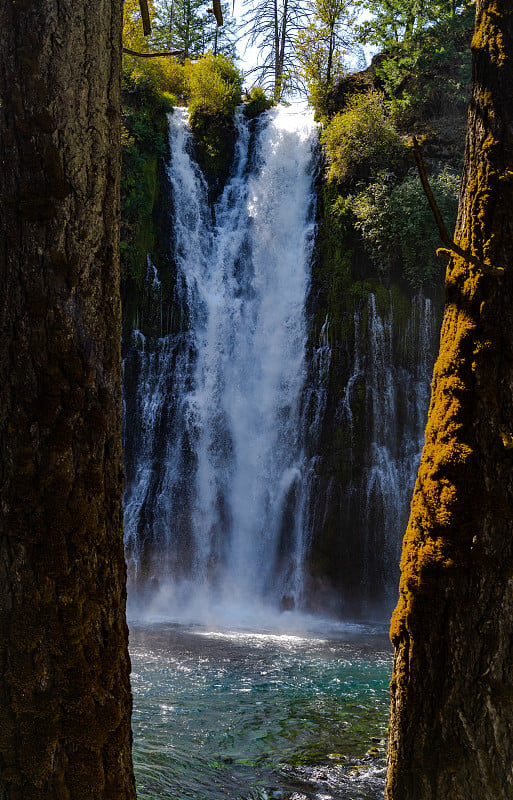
<point>215,138</point>
<point>144,202</point>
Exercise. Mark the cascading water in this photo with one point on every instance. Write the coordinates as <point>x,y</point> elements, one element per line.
<point>217,472</point>
<point>398,396</point>
<point>371,440</point>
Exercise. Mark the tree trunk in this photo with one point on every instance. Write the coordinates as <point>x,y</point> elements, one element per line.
<point>283,33</point>
<point>331,48</point>
<point>277,72</point>
<point>451,727</point>
<point>64,666</point>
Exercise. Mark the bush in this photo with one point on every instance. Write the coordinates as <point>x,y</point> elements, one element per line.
<point>430,74</point>
<point>153,76</point>
<point>397,225</point>
<point>214,85</point>
<point>361,140</point>
<point>257,102</point>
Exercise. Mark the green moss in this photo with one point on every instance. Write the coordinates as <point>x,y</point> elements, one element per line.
<point>401,305</point>
<point>145,144</point>
<point>214,134</point>
<point>382,298</point>
<point>138,208</point>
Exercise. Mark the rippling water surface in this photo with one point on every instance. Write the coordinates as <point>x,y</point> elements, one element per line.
<point>240,715</point>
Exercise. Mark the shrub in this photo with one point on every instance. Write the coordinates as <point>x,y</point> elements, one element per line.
<point>361,140</point>
<point>214,85</point>
<point>257,102</point>
<point>153,76</point>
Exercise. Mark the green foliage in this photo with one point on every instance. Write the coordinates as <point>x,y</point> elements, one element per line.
<point>133,35</point>
<point>146,77</point>
<point>153,76</point>
<point>321,46</point>
<point>214,86</point>
<point>144,142</point>
<point>397,225</point>
<point>257,102</point>
<point>181,25</point>
<point>361,140</point>
<point>430,72</point>
<point>391,22</point>
<point>185,25</point>
<point>315,52</point>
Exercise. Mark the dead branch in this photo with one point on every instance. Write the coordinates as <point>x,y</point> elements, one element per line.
<point>173,53</point>
<point>217,12</point>
<point>145,16</point>
<point>450,246</point>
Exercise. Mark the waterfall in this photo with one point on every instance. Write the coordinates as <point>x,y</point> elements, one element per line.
<point>216,464</point>
<point>371,439</point>
<point>398,395</point>
<point>269,465</point>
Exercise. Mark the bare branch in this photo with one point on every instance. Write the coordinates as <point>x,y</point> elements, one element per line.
<point>217,12</point>
<point>173,53</point>
<point>450,246</point>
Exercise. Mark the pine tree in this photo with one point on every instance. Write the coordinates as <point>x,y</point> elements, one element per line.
<point>451,726</point>
<point>188,26</point>
<point>64,666</point>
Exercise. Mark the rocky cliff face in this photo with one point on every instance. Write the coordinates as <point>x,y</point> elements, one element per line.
<point>382,340</point>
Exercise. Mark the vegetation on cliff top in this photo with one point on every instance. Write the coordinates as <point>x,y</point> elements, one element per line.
<point>151,88</point>
<point>419,86</point>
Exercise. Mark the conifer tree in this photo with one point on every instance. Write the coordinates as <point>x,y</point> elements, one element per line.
<point>64,666</point>
<point>451,726</point>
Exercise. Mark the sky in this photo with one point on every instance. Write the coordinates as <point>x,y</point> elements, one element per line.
<point>249,55</point>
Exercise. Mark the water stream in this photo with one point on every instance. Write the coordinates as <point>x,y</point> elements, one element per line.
<point>238,715</point>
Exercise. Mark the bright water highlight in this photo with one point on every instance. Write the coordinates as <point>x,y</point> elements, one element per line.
<point>234,715</point>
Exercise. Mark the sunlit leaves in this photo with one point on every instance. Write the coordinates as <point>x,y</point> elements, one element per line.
<point>322,44</point>
<point>361,135</point>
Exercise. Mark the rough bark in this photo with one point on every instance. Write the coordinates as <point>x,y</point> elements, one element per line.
<point>451,726</point>
<point>64,666</point>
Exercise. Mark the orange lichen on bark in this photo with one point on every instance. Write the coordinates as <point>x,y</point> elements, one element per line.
<point>432,539</point>
<point>489,35</point>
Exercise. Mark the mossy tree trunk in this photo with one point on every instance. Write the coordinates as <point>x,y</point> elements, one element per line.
<point>64,666</point>
<point>451,727</point>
